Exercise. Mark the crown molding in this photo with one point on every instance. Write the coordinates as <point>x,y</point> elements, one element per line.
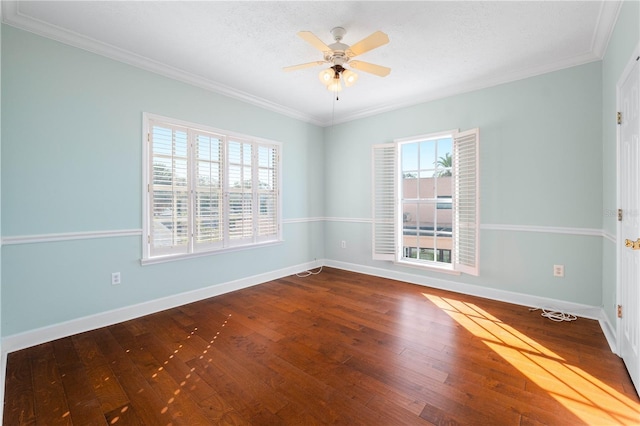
<point>607,17</point>
<point>609,11</point>
<point>11,15</point>
<point>472,86</point>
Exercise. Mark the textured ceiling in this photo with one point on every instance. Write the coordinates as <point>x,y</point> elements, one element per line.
<point>239,48</point>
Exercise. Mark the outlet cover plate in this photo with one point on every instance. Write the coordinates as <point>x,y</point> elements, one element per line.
<point>558,271</point>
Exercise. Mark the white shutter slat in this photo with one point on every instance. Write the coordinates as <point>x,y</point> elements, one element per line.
<point>466,201</point>
<point>208,200</point>
<point>168,193</point>
<point>267,192</point>
<point>240,180</point>
<point>384,202</point>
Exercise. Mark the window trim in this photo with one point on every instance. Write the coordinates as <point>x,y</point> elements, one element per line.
<point>386,192</point>
<point>431,264</point>
<point>194,249</point>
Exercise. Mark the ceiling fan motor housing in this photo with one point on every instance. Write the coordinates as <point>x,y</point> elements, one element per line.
<point>337,55</point>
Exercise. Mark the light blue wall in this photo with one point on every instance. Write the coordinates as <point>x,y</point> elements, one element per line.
<point>540,161</point>
<point>71,162</point>
<point>624,40</point>
<point>71,158</point>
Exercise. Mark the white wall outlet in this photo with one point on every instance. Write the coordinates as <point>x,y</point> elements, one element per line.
<point>558,271</point>
<point>343,244</point>
<point>115,278</point>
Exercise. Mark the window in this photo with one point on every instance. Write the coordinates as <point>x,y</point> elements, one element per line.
<point>207,190</point>
<point>426,201</point>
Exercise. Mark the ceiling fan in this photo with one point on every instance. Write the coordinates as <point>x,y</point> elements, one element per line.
<point>339,54</point>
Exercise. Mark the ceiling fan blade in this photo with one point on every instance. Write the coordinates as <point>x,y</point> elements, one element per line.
<point>313,40</point>
<point>303,66</point>
<point>378,70</point>
<point>376,39</point>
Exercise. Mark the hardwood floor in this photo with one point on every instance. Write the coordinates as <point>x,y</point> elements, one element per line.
<point>333,348</point>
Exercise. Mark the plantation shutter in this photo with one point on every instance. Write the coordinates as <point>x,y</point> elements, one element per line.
<point>208,195</point>
<point>267,192</point>
<point>466,201</point>
<point>384,202</point>
<point>207,191</point>
<point>168,191</point>
<point>240,192</point>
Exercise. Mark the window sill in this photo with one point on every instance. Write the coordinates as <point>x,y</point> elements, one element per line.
<point>429,267</point>
<point>175,257</point>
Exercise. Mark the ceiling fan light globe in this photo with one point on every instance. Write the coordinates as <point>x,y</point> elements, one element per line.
<point>349,78</point>
<point>326,76</point>
<point>334,86</point>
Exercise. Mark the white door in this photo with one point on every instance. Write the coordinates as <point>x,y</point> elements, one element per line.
<point>629,237</point>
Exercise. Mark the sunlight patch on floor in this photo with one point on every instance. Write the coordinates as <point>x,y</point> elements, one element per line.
<point>579,392</point>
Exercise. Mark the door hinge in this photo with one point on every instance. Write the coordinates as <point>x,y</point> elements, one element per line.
<point>619,117</point>
<point>148,137</point>
<point>619,311</point>
<point>149,239</point>
<point>619,215</point>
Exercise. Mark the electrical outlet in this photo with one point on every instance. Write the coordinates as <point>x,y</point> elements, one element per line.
<point>115,278</point>
<point>558,271</point>
<point>343,244</point>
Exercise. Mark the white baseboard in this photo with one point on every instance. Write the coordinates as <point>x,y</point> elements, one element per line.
<point>609,332</point>
<point>584,311</point>
<point>30,338</point>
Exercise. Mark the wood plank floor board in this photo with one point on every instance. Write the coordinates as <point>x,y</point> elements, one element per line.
<point>178,404</point>
<point>465,367</point>
<point>293,414</point>
<point>125,415</point>
<point>216,409</point>
<point>19,407</point>
<point>396,413</point>
<point>324,343</point>
<point>175,337</point>
<point>178,371</point>
<point>363,388</point>
<point>334,348</point>
<point>252,353</point>
<point>227,388</point>
<point>51,405</point>
<point>148,405</point>
<point>254,385</point>
<point>84,406</point>
<point>510,398</point>
<point>100,375</point>
<point>247,320</point>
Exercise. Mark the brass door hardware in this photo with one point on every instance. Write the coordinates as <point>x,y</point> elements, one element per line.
<point>633,245</point>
